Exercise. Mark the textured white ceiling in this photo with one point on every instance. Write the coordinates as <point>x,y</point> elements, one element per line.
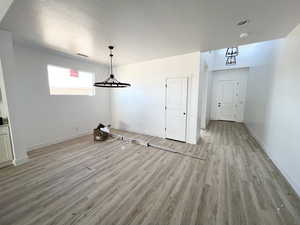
<point>147,29</point>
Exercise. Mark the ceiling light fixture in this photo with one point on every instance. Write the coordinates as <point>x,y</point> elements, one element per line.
<point>243,22</point>
<point>111,81</point>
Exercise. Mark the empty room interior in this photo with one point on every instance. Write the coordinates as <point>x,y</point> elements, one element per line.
<point>140,112</point>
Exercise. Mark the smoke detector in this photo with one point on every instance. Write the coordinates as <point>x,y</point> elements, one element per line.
<point>244,35</point>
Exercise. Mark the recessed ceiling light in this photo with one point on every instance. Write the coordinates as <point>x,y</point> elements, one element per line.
<point>243,22</point>
<point>83,55</point>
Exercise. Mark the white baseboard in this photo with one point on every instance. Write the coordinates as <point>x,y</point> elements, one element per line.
<point>294,185</point>
<point>18,162</point>
<point>57,141</point>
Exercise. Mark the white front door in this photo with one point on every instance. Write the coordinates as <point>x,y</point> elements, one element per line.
<point>226,100</point>
<point>229,94</point>
<point>176,108</point>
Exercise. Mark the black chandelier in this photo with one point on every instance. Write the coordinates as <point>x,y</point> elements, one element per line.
<point>231,55</point>
<point>231,60</point>
<point>111,81</point>
<point>234,51</point>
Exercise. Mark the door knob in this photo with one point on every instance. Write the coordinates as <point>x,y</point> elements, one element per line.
<point>184,113</point>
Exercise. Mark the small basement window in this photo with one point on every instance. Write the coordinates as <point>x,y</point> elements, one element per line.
<point>65,81</point>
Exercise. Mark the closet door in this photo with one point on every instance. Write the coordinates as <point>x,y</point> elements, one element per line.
<point>176,108</point>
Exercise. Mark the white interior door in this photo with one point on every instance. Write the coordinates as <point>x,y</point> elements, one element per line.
<point>226,100</point>
<point>176,108</point>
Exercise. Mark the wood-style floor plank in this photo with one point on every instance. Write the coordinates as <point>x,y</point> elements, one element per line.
<point>80,182</point>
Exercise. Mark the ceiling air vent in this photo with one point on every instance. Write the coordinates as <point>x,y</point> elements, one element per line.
<point>82,55</point>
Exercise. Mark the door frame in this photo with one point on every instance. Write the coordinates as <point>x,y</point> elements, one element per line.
<point>165,104</point>
<point>5,102</point>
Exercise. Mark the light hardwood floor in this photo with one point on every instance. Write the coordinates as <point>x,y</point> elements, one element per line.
<point>80,182</point>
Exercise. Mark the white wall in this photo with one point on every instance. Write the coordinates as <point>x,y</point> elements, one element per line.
<point>36,118</point>
<point>209,96</point>
<point>45,119</point>
<point>205,84</point>
<point>260,83</point>
<point>3,101</point>
<point>140,108</point>
<point>273,109</point>
<point>4,6</point>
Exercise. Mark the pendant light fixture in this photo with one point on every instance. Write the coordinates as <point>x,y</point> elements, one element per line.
<point>231,60</point>
<point>231,55</point>
<point>111,81</point>
<point>233,51</point>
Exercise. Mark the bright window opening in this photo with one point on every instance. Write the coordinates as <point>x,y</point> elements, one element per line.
<point>65,81</point>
